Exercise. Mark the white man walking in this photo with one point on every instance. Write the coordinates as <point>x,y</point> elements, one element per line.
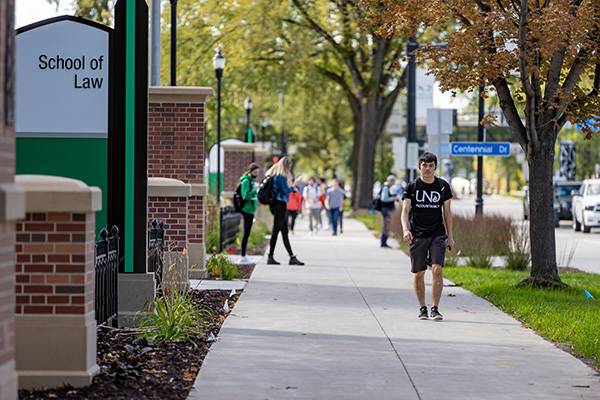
<point>427,226</point>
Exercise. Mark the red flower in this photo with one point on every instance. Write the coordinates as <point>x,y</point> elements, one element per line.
<point>231,251</point>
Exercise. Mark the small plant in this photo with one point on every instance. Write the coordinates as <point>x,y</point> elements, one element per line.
<point>451,260</point>
<point>480,261</point>
<point>174,318</point>
<point>219,267</point>
<point>518,258</point>
<point>518,261</point>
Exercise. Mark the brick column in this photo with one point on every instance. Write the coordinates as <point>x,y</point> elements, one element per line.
<point>12,205</point>
<point>168,201</point>
<point>55,274</point>
<point>176,150</point>
<point>236,157</point>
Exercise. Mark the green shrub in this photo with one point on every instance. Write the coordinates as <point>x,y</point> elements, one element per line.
<point>480,261</point>
<point>174,318</point>
<point>518,261</point>
<point>451,260</point>
<point>219,267</point>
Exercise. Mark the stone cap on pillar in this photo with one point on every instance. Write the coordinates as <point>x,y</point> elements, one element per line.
<point>179,94</point>
<point>249,147</point>
<point>167,187</point>
<point>199,189</point>
<point>45,193</point>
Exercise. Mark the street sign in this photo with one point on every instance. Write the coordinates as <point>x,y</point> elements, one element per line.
<point>469,149</point>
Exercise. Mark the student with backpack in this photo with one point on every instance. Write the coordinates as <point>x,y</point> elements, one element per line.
<point>275,191</point>
<point>245,202</point>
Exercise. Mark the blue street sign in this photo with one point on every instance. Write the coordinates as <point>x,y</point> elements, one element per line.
<point>469,149</point>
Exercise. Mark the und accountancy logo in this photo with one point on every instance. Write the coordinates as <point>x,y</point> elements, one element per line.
<point>427,199</point>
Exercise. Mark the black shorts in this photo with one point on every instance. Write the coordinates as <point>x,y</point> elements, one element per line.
<point>427,251</point>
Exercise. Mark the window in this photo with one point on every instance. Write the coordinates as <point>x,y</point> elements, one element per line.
<point>593,189</point>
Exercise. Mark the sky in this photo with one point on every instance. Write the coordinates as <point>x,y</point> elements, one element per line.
<point>30,11</point>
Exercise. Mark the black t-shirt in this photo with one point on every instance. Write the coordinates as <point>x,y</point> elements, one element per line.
<point>426,200</point>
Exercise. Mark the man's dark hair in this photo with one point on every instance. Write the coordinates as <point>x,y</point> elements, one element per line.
<point>428,157</point>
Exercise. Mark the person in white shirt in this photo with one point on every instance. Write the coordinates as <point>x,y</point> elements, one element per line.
<point>311,195</point>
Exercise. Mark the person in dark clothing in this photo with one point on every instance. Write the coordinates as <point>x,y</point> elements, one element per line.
<point>248,193</point>
<point>427,226</point>
<point>281,175</point>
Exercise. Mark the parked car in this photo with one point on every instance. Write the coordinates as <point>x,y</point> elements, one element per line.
<point>563,200</point>
<point>586,206</point>
<point>563,196</point>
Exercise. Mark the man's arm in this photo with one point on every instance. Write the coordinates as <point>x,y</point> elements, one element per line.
<point>448,223</point>
<point>406,233</point>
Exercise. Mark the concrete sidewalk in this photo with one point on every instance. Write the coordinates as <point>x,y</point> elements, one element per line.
<point>344,327</point>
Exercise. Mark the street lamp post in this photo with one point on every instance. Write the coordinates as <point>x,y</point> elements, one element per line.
<point>248,107</point>
<point>411,92</point>
<point>173,42</point>
<point>480,138</point>
<point>263,127</point>
<point>219,64</point>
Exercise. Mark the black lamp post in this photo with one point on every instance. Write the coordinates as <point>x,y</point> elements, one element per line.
<point>480,138</point>
<point>411,103</point>
<point>173,42</point>
<point>263,127</point>
<point>248,107</point>
<point>219,64</point>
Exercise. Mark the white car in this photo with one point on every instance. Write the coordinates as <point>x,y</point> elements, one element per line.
<point>586,206</point>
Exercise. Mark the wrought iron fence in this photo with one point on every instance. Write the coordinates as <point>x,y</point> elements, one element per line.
<point>107,272</point>
<point>230,224</point>
<point>156,241</point>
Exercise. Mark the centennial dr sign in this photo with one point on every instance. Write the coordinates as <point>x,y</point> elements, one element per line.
<point>62,79</point>
<point>468,149</point>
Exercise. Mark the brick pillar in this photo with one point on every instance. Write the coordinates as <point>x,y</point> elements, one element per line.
<point>168,201</point>
<point>259,158</point>
<point>176,150</point>
<point>55,274</point>
<point>11,205</point>
<point>236,157</point>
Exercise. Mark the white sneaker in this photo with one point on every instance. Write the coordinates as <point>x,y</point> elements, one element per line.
<point>244,260</point>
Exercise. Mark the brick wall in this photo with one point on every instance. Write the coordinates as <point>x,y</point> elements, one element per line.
<point>234,165</point>
<point>174,212</point>
<point>176,141</point>
<point>196,219</point>
<point>55,263</point>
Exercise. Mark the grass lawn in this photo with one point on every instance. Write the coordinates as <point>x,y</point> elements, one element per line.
<point>563,316</point>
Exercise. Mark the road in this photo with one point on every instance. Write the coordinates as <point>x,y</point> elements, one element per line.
<point>584,246</point>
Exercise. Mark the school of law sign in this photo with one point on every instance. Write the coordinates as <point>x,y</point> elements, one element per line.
<point>62,79</point>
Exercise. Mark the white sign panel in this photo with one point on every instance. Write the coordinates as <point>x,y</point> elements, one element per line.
<point>62,80</point>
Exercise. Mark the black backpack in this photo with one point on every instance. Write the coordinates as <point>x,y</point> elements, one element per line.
<point>266,195</point>
<point>377,204</point>
<point>238,200</point>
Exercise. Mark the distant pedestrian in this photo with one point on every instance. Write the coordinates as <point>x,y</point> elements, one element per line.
<point>427,226</point>
<point>248,194</point>
<point>312,200</point>
<point>388,205</point>
<point>334,201</point>
<point>280,172</point>
<point>294,206</point>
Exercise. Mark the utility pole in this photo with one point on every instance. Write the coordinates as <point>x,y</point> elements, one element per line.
<point>155,44</point>
<point>411,108</point>
<point>480,138</point>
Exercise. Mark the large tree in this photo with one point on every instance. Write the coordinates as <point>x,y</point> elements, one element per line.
<point>364,64</point>
<point>542,59</point>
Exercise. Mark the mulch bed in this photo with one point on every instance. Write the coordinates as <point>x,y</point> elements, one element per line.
<point>131,368</point>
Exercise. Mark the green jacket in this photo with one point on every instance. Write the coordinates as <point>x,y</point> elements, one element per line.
<point>249,193</point>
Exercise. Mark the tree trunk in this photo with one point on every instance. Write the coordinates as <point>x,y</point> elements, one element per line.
<point>544,271</point>
<point>365,162</point>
